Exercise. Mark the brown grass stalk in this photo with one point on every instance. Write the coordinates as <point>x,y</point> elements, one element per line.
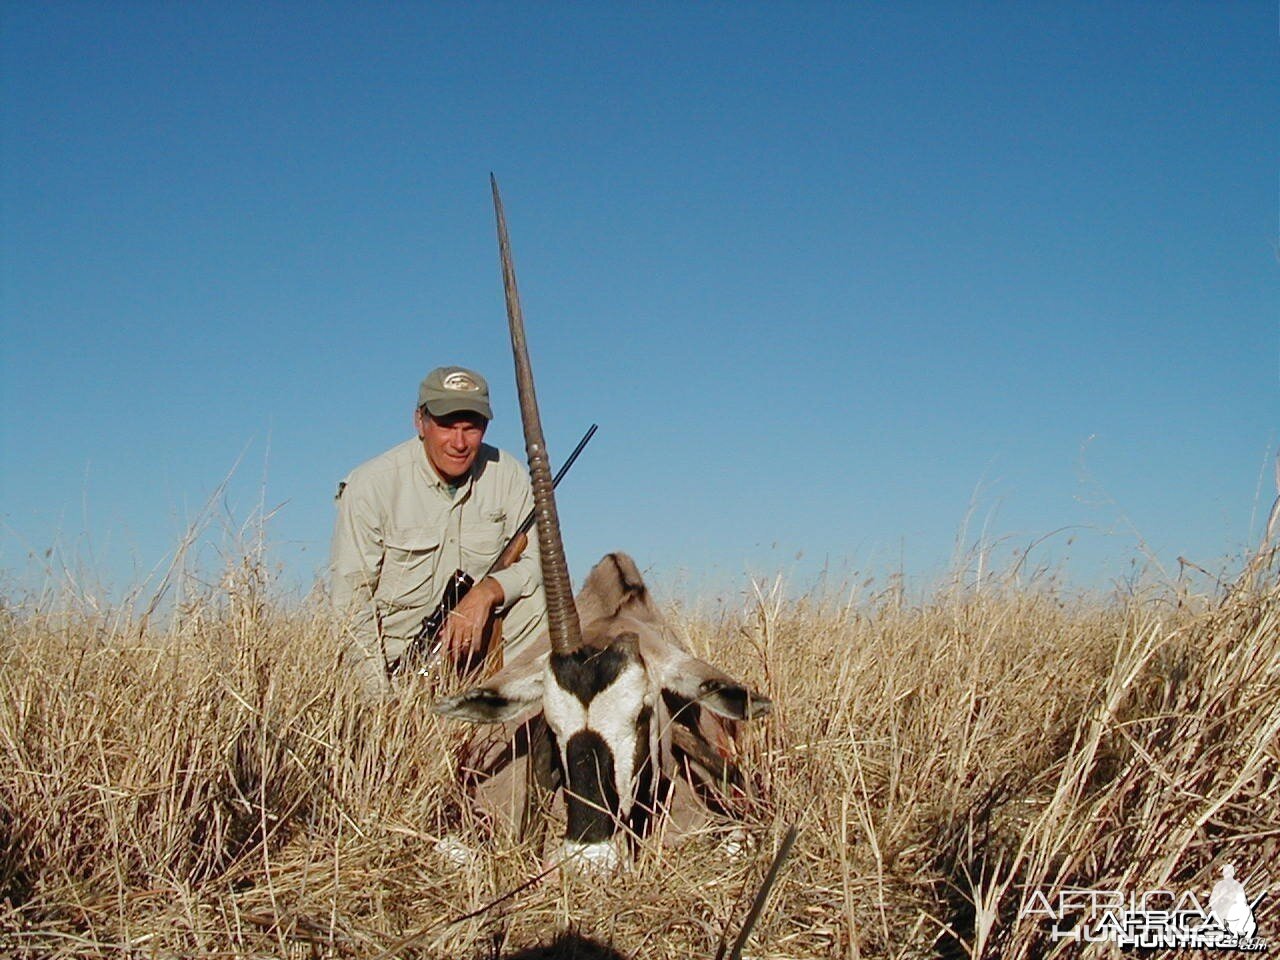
<point>213,786</point>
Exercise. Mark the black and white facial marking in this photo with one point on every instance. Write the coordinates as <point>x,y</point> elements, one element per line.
<point>596,701</point>
<point>608,704</point>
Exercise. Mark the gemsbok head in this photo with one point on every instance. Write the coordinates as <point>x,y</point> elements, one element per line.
<point>616,690</point>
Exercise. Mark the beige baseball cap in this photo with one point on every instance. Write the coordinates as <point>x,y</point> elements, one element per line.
<point>449,390</point>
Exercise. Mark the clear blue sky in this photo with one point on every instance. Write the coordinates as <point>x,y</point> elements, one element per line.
<point>820,272</point>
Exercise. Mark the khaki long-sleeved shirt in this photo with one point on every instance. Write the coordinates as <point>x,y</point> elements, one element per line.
<point>401,532</point>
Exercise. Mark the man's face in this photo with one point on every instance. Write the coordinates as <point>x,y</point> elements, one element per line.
<point>451,442</point>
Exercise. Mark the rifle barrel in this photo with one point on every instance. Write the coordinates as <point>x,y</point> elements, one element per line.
<point>527,523</point>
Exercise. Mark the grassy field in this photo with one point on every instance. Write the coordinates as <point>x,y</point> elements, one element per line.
<point>212,786</point>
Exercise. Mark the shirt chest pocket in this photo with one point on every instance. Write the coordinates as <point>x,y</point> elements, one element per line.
<point>482,534</point>
<point>410,556</point>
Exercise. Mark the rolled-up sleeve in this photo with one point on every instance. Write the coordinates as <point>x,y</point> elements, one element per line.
<point>355,560</point>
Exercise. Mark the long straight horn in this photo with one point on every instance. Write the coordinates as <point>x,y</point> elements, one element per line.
<point>562,615</point>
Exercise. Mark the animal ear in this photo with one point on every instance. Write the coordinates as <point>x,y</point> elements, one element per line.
<point>697,680</point>
<point>730,699</point>
<point>493,702</point>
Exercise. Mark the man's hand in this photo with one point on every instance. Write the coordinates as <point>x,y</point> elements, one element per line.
<point>463,630</point>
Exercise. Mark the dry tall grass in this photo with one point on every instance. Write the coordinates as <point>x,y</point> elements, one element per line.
<point>214,788</point>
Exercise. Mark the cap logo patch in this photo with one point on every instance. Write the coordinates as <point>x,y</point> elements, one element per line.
<point>460,381</point>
